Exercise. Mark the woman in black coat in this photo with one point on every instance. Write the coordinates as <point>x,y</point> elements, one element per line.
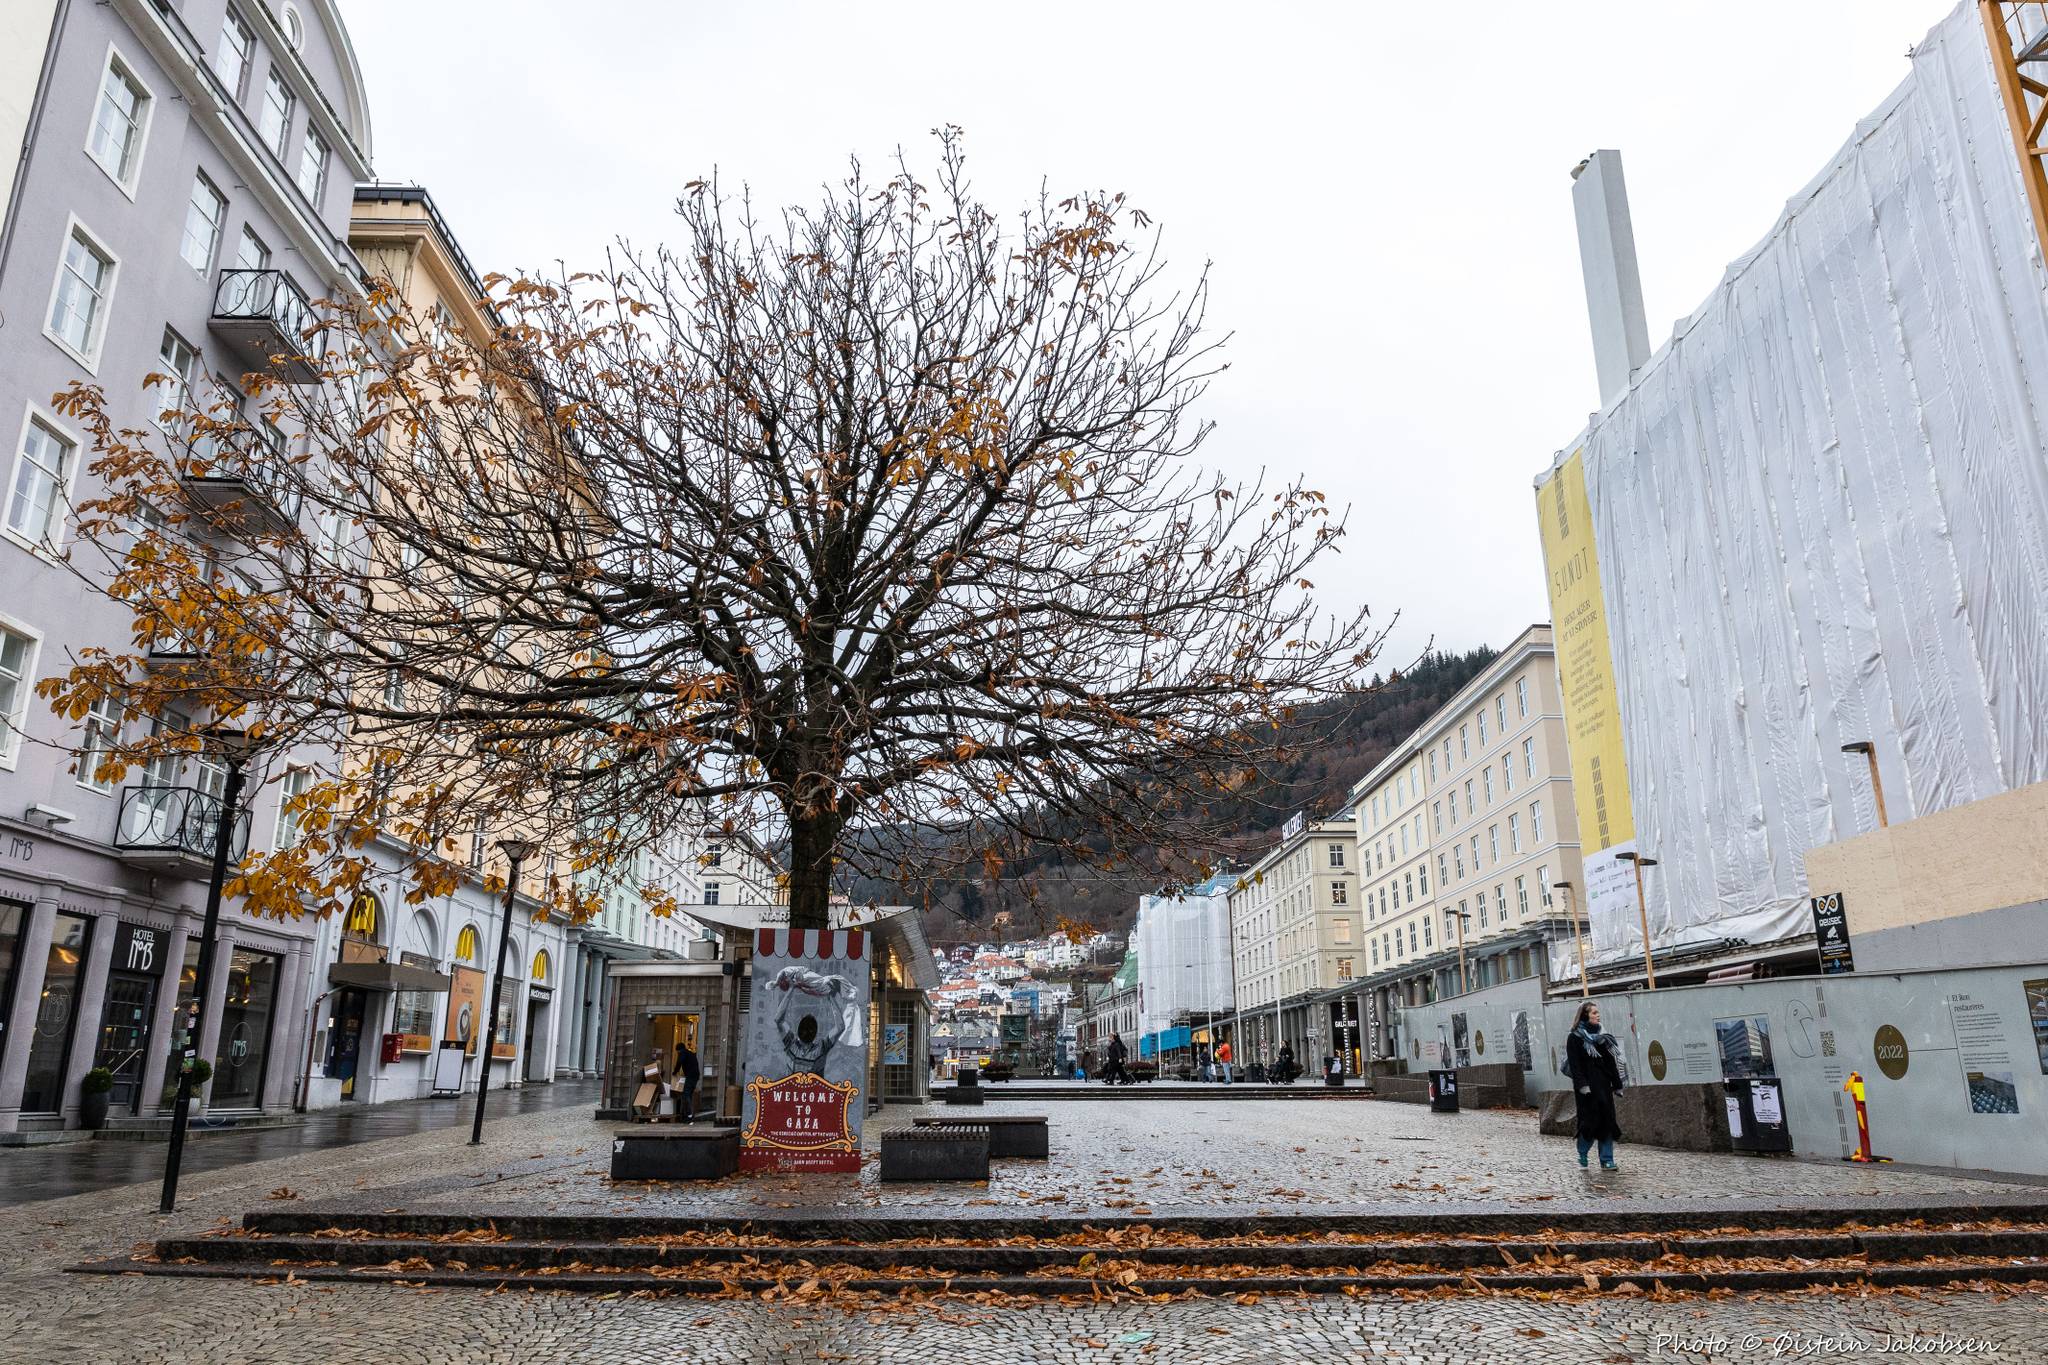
<point>1596,1080</point>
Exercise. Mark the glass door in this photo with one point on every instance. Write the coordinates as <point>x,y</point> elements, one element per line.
<point>124,1036</point>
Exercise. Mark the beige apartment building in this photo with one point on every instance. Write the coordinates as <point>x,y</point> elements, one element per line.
<point>1296,931</point>
<point>1474,820</point>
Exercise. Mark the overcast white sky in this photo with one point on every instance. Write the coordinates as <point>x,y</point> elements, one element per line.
<point>1383,190</point>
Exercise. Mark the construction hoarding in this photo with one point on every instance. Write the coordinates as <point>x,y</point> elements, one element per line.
<point>1818,516</point>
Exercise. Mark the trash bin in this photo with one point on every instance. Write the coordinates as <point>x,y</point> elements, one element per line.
<point>1443,1092</point>
<point>1756,1115</point>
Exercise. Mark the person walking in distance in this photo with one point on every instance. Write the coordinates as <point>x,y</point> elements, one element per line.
<point>1223,1063</point>
<point>1115,1073</point>
<point>1589,1061</point>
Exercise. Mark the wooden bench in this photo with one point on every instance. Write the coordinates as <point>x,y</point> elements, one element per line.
<point>937,1151</point>
<point>675,1152</point>
<point>1009,1135</point>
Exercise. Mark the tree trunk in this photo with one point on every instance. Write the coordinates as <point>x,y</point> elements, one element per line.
<point>812,836</point>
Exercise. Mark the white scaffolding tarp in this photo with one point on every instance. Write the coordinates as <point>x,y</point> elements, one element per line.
<point>1821,514</point>
<point>1183,946</point>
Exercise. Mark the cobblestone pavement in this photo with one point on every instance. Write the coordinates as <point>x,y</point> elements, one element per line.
<point>47,1316</point>
<point>31,1174</point>
<point>1277,1156</point>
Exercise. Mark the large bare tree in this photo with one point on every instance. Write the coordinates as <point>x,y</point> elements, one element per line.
<point>876,516</point>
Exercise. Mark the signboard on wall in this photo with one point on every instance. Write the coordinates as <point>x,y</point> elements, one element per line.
<point>806,1051</point>
<point>1831,933</point>
<point>1592,710</point>
<point>465,1007</point>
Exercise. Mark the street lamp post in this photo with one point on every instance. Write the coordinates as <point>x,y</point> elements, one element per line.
<point>516,851</point>
<point>1869,752</point>
<point>1643,913</point>
<point>1578,934</point>
<point>234,746</point>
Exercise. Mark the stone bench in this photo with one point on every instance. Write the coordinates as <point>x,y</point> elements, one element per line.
<point>675,1152</point>
<point>964,1091</point>
<point>938,1151</point>
<point>1009,1135</point>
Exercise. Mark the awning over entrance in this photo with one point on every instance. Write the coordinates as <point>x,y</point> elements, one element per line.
<point>387,976</point>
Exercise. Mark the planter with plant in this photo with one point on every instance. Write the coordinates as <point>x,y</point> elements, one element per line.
<point>94,1094</point>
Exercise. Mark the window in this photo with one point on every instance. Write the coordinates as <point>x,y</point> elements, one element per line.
<point>1500,902</point>
<point>232,53</point>
<point>177,359</point>
<point>1482,909</point>
<point>250,253</point>
<point>1396,888</point>
<point>1464,742</point>
<point>202,224</point>
<point>312,164</point>
<point>1428,940</point>
<point>1341,928</point>
<point>1343,969</point>
<point>1401,789</point>
<point>102,727</point>
<point>715,855</point>
<point>1375,952</point>
<point>1481,718</point>
<point>1411,936</point>
<point>1452,797</point>
<point>1521,895</point>
<point>1493,841</point>
<point>118,124</point>
<point>85,284</point>
<point>17,664</point>
<point>1337,893</point>
<point>1404,841</point>
<point>275,120</point>
<point>1475,853</point>
<point>1432,765</point>
<point>1458,860</point>
<point>1447,755</point>
<point>1437,810</point>
<point>1336,855</point>
<point>42,474</point>
<point>711,893</point>
<point>296,784</point>
<point>1422,874</point>
<point>1486,774</point>
<point>1471,806</point>
<point>1522,698</point>
<point>294,28</point>
<point>1543,886</point>
<point>1507,773</point>
<point>1515,833</point>
<point>1500,713</point>
<point>476,844</point>
<point>1529,757</point>
<point>1443,869</point>
<point>1536,821</point>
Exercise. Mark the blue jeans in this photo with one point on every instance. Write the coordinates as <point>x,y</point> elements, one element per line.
<point>1606,1150</point>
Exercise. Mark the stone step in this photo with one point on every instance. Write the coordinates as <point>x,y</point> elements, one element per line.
<point>1672,1276</point>
<point>1447,1220</point>
<point>525,1255</point>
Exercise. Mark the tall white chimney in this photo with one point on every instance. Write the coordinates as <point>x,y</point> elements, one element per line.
<point>1607,257</point>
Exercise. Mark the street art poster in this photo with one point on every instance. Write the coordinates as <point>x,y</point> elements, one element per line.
<point>895,1045</point>
<point>806,1051</point>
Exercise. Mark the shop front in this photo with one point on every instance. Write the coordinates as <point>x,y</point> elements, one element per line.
<point>128,1014</point>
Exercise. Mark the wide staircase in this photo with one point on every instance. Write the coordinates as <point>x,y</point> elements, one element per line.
<point>1654,1251</point>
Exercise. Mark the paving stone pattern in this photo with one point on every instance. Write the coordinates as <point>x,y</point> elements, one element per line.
<point>48,1316</point>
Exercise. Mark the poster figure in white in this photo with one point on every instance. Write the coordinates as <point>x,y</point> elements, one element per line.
<point>806,1050</point>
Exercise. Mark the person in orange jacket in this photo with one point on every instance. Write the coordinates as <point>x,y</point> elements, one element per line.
<point>1223,1062</point>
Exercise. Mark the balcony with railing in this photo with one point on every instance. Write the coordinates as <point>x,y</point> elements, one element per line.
<point>252,497</point>
<point>172,830</point>
<point>263,317</point>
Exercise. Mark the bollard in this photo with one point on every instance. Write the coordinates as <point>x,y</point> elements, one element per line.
<point>1854,1085</point>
